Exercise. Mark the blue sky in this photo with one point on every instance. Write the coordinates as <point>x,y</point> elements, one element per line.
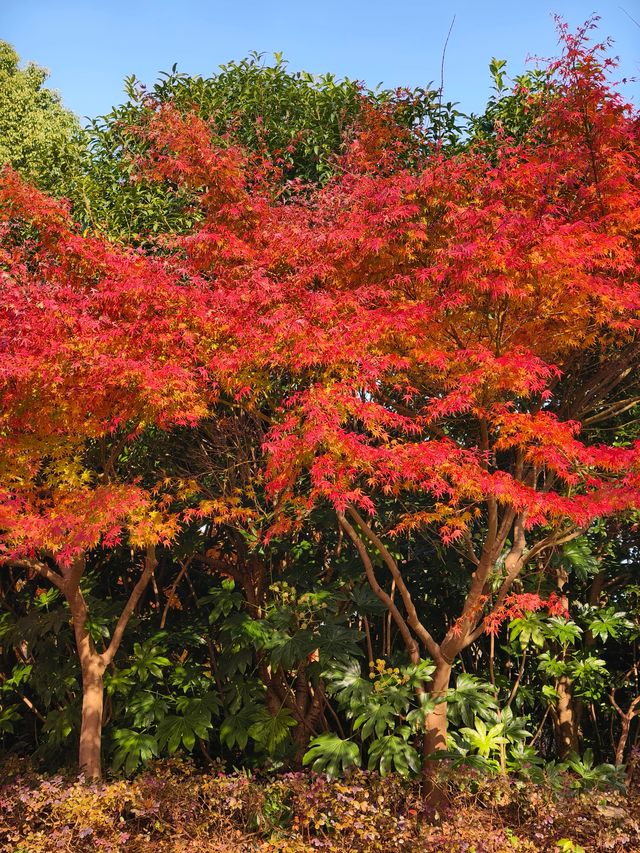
<point>90,46</point>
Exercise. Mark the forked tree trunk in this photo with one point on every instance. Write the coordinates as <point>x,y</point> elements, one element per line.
<point>626,718</point>
<point>470,625</point>
<point>92,664</point>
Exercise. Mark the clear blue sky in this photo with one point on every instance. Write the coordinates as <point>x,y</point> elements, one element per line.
<point>91,45</point>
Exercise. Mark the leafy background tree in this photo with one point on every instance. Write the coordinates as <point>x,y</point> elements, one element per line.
<point>38,136</point>
<point>298,122</point>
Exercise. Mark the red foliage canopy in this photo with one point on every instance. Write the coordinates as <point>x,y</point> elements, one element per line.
<point>412,329</point>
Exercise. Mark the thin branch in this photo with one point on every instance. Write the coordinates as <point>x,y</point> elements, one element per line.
<point>172,591</point>
<point>471,554</point>
<point>367,631</point>
<point>39,567</point>
<point>412,615</point>
<point>538,731</point>
<point>444,54</point>
<point>409,641</point>
<point>27,702</point>
<point>150,564</point>
<point>514,561</point>
<point>622,9</point>
<point>614,410</point>
<point>553,541</point>
<point>514,689</point>
<point>341,731</point>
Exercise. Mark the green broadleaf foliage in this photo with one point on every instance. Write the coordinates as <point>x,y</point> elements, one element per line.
<point>234,730</point>
<point>393,753</point>
<point>347,684</point>
<point>147,708</point>
<point>221,600</point>
<point>417,718</point>
<point>269,731</point>
<point>133,749</point>
<point>375,719</point>
<point>484,740</point>
<point>563,631</point>
<point>470,697</point>
<point>528,629</point>
<point>176,730</point>
<point>8,716</point>
<point>579,557</point>
<point>331,755</point>
<point>147,660</point>
<point>285,651</point>
<point>59,724</point>
<point>552,666</point>
<point>38,136</point>
<point>590,775</point>
<point>608,622</point>
<point>338,643</point>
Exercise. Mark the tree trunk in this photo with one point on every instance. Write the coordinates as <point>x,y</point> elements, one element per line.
<point>633,758</point>
<point>595,594</point>
<point>566,723</point>
<point>436,724</point>
<point>92,666</point>
<point>624,737</point>
<point>435,737</point>
<point>626,718</point>
<point>91,726</point>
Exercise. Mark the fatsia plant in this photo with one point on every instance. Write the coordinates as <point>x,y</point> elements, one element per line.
<point>561,668</point>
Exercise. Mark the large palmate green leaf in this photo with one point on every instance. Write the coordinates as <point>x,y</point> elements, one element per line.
<point>393,752</point>
<point>331,754</point>
<point>133,749</point>
<point>269,730</point>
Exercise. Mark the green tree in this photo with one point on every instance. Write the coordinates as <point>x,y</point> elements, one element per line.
<point>38,136</point>
<point>297,121</point>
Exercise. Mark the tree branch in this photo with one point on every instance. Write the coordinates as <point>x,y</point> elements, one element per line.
<point>172,591</point>
<point>150,564</point>
<point>410,643</point>
<point>39,567</point>
<point>412,616</point>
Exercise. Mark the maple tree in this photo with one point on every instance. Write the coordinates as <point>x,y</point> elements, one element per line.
<point>449,333</point>
<point>84,373</point>
<point>101,366</point>
<point>451,313</point>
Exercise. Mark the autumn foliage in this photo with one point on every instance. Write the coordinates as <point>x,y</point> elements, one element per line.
<point>175,808</point>
<point>431,341</point>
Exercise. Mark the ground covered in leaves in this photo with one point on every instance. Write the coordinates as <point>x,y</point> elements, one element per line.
<point>175,807</point>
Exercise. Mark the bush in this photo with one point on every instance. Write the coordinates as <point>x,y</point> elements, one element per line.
<point>175,807</point>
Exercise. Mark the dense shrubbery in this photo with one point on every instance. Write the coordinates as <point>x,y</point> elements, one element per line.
<point>173,807</point>
<point>195,684</point>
